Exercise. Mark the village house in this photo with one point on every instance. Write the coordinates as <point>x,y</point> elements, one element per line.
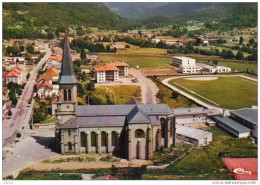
<point>14,75</point>
<point>131,131</point>
<point>106,73</point>
<point>47,84</point>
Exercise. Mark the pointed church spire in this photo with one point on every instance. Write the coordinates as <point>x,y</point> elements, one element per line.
<point>67,75</point>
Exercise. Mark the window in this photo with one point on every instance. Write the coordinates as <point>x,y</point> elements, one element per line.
<point>162,120</point>
<point>69,132</point>
<point>83,139</point>
<point>69,146</point>
<point>103,139</point>
<point>93,139</point>
<point>139,133</point>
<point>114,138</point>
<point>69,94</point>
<point>65,95</point>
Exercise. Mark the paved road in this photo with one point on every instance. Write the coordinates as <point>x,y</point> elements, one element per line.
<point>147,95</point>
<point>166,82</point>
<point>18,118</point>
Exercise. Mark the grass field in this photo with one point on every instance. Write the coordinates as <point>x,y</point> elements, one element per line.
<point>119,94</point>
<point>228,92</point>
<point>204,163</point>
<point>143,61</point>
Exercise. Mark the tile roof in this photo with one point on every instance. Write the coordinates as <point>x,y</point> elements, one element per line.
<point>137,115</point>
<point>11,74</point>
<point>231,123</point>
<point>52,71</point>
<point>247,114</point>
<point>44,84</point>
<point>106,68</point>
<point>71,123</point>
<point>104,121</point>
<point>17,67</point>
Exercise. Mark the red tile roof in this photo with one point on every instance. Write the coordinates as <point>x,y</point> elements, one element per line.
<point>106,68</point>
<point>44,84</point>
<point>12,74</point>
<point>17,67</point>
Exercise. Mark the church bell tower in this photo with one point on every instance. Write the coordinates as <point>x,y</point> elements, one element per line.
<point>67,97</point>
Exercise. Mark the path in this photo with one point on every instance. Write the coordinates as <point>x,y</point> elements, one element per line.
<point>166,82</point>
<point>148,88</point>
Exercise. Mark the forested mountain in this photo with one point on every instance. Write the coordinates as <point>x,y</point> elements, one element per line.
<point>157,14</point>
<point>26,17</point>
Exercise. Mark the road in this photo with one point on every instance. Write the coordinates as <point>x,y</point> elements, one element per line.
<point>166,82</point>
<point>18,118</point>
<point>148,88</point>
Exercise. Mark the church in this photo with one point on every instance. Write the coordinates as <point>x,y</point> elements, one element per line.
<point>131,131</point>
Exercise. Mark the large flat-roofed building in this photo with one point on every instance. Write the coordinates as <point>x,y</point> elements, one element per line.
<point>247,117</point>
<point>193,115</point>
<point>192,135</point>
<point>106,73</point>
<point>214,69</point>
<point>232,126</point>
<point>122,67</point>
<point>183,61</point>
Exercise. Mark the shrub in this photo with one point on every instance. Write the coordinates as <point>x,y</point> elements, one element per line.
<point>18,134</point>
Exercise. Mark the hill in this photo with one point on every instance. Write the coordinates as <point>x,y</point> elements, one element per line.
<point>158,14</point>
<point>22,17</point>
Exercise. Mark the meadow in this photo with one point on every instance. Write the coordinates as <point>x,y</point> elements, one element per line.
<point>228,92</point>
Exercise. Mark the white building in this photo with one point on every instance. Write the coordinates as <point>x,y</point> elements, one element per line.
<point>214,69</point>
<point>106,73</point>
<point>192,135</point>
<point>183,61</point>
<point>193,115</point>
<point>189,69</point>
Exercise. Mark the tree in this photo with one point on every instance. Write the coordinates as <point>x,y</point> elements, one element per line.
<point>10,113</point>
<point>224,53</point>
<point>215,62</point>
<point>230,54</point>
<point>251,41</point>
<point>30,49</point>
<point>28,76</point>
<point>90,86</point>
<point>241,40</point>
<point>239,55</point>
<point>175,95</point>
<point>161,44</point>
<point>82,54</point>
<point>15,50</point>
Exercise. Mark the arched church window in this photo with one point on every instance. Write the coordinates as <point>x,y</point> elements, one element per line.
<point>65,95</point>
<point>139,133</point>
<point>69,94</point>
<point>69,146</point>
<point>162,121</point>
<point>83,139</point>
<point>114,138</point>
<point>103,139</point>
<point>93,139</point>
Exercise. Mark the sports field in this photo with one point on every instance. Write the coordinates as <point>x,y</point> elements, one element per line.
<point>228,92</point>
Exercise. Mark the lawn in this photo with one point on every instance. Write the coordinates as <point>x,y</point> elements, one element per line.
<point>118,94</point>
<point>143,61</point>
<point>204,163</point>
<point>165,96</point>
<point>228,92</point>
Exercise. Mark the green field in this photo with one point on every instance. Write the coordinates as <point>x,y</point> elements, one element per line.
<point>143,61</point>
<point>47,176</point>
<point>204,163</point>
<point>114,94</point>
<point>228,92</point>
